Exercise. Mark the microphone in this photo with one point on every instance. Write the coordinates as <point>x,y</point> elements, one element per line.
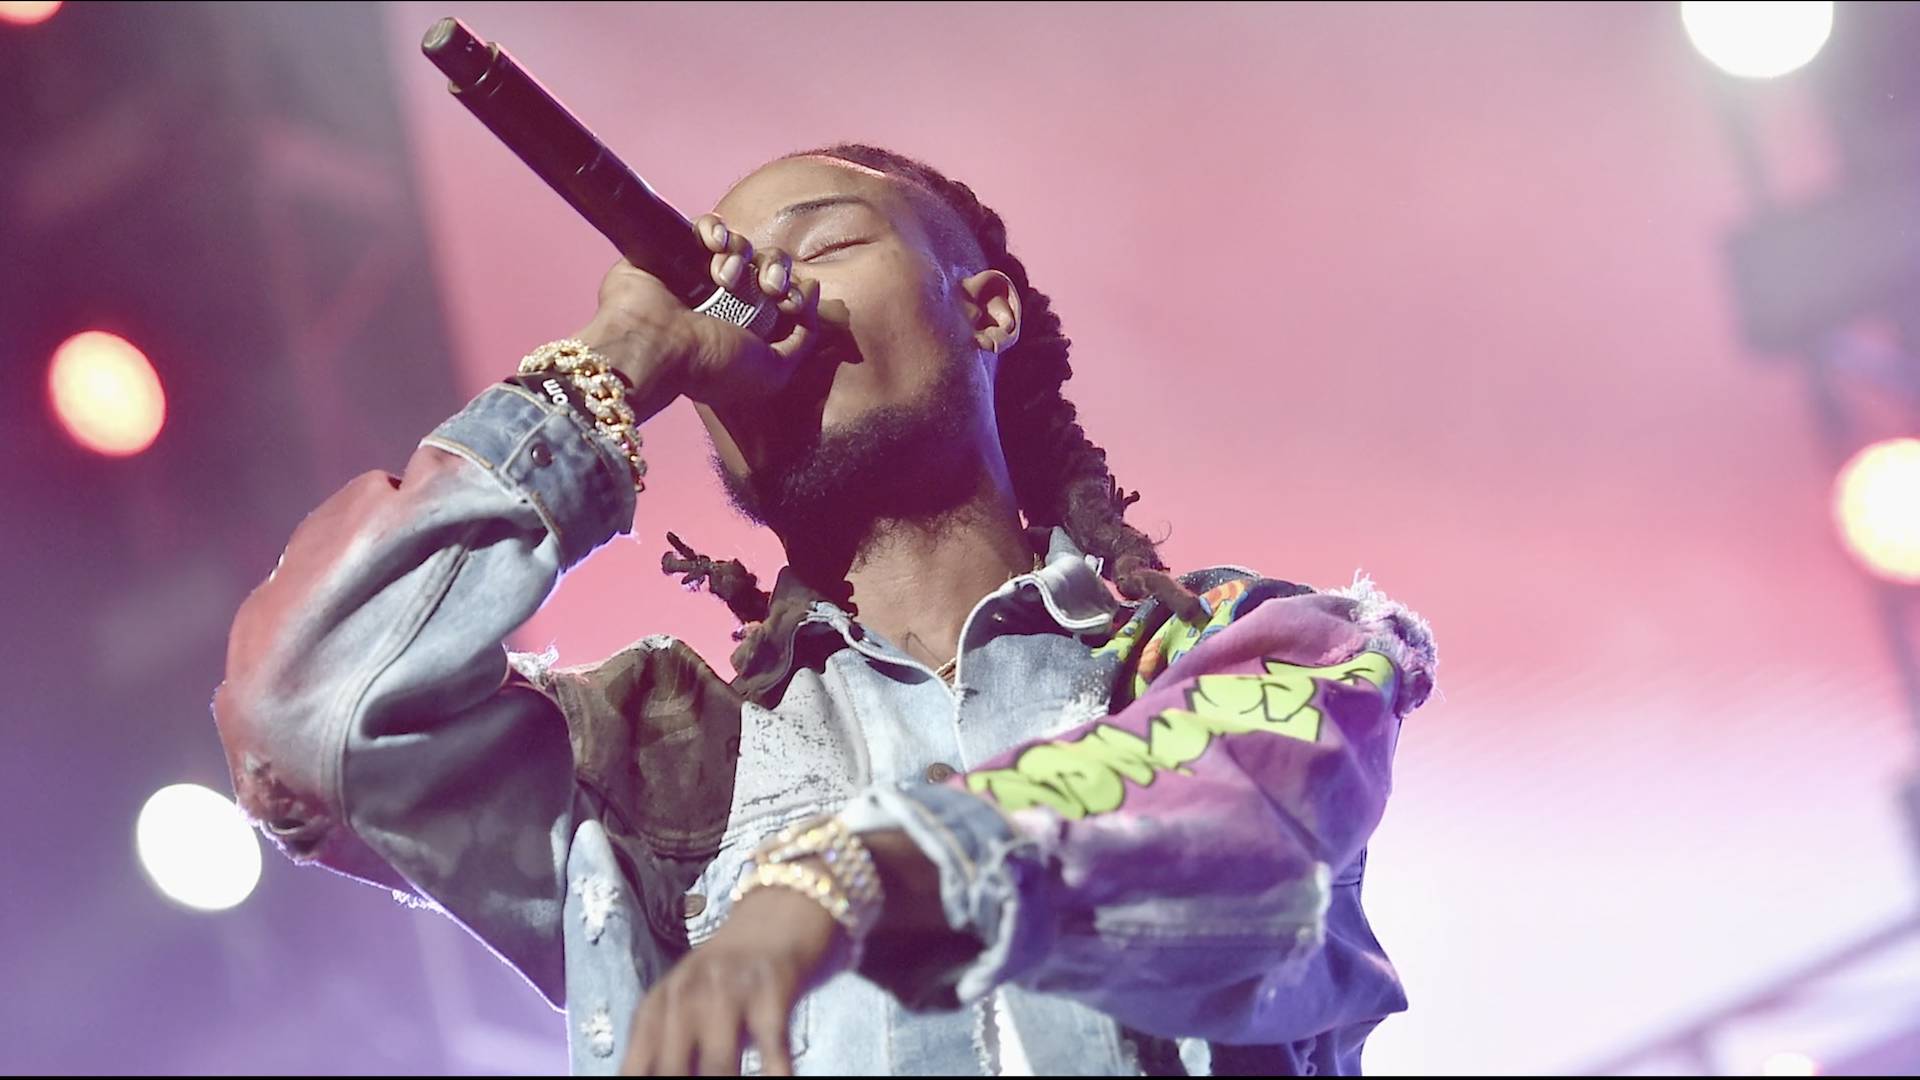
<point>644,228</point>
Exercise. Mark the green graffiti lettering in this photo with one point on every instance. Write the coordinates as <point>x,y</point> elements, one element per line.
<point>1368,667</point>
<point>1064,767</point>
<point>1178,737</point>
<point>1089,775</point>
<point>1016,792</point>
<point>1122,751</point>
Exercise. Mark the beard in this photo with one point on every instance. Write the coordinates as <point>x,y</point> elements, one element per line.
<point>913,461</point>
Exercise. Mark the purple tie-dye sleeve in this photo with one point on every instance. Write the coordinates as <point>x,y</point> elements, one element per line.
<point>1174,864</point>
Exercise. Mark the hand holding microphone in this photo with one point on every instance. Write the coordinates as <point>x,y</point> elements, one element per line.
<point>691,308</point>
<point>666,350</point>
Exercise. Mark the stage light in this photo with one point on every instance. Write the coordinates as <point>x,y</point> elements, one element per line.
<point>1757,40</point>
<point>196,847</point>
<point>1789,1063</point>
<point>106,394</point>
<point>27,12</point>
<point>1876,503</point>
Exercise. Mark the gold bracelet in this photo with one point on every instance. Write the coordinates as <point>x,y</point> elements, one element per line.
<point>604,390</point>
<point>848,887</point>
<point>829,840</point>
<point>817,884</point>
<point>821,887</point>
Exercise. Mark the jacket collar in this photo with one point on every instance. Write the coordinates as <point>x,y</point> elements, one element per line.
<point>1068,586</point>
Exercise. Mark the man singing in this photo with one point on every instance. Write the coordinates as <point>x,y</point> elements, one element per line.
<point>961,810</point>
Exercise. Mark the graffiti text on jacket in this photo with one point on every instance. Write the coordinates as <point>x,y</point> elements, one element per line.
<point>1088,774</point>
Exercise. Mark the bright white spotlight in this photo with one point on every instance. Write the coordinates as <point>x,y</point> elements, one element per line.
<point>1757,40</point>
<point>106,393</point>
<point>1876,503</point>
<point>1789,1063</point>
<point>28,12</point>
<point>197,848</point>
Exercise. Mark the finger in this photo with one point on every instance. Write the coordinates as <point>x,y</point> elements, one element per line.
<point>719,1044</point>
<point>805,311</point>
<point>713,233</point>
<point>774,272</point>
<point>643,1038</point>
<point>729,268</point>
<point>802,300</point>
<point>674,1053</point>
<point>767,1019</point>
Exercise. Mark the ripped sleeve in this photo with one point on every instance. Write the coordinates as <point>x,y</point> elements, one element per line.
<point>369,715</point>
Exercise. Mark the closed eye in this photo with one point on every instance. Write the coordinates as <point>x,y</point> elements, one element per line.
<point>832,248</point>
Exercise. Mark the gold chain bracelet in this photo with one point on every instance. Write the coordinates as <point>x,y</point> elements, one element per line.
<point>604,391</point>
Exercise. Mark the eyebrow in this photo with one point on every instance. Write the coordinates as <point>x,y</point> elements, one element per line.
<point>814,205</point>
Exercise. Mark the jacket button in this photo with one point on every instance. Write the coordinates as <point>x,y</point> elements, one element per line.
<point>694,904</point>
<point>541,456</point>
<point>939,772</point>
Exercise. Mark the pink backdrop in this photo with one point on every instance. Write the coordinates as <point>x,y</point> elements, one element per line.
<point>1455,265</point>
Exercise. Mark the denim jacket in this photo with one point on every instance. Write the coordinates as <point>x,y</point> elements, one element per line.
<point>1155,828</point>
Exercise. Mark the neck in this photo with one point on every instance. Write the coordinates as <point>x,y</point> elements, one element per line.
<point>914,581</point>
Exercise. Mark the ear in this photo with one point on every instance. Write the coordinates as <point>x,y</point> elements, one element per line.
<point>993,310</point>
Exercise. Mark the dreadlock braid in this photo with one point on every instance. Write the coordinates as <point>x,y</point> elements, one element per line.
<point>731,581</point>
<point>1059,476</point>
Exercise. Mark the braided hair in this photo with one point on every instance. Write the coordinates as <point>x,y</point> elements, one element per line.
<point>1060,477</point>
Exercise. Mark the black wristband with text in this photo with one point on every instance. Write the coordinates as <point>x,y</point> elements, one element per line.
<point>556,388</point>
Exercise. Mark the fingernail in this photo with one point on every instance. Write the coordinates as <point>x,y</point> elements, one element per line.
<point>719,235</point>
<point>730,269</point>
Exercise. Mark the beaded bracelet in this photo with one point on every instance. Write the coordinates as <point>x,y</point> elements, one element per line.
<point>605,392</point>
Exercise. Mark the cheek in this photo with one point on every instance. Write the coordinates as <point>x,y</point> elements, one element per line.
<point>902,327</point>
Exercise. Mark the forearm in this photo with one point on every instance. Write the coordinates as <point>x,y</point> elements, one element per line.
<point>913,944</point>
<point>911,884</point>
<point>406,587</point>
<point>1170,865</point>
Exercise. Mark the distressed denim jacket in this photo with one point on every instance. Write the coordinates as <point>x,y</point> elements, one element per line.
<point>1154,828</point>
